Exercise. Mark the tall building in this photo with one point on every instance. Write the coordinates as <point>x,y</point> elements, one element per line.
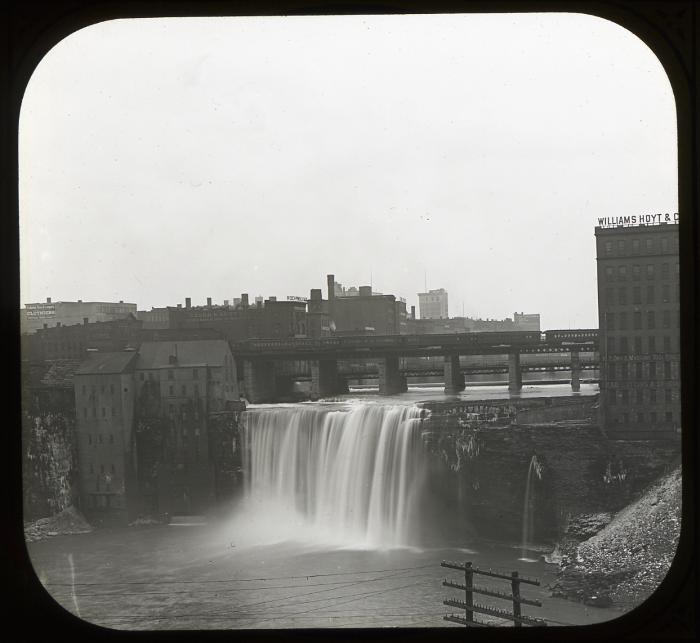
<point>639,319</point>
<point>433,304</point>
<point>67,313</point>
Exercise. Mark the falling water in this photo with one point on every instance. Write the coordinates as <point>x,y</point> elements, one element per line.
<point>349,477</point>
<point>535,469</point>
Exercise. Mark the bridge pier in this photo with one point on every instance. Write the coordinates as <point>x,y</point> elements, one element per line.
<point>325,380</point>
<point>390,379</point>
<point>454,378</point>
<point>575,371</point>
<point>515,376</point>
<point>260,380</point>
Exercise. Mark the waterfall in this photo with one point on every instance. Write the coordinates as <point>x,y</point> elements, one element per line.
<point>535,469</point>
<point>348,476</point>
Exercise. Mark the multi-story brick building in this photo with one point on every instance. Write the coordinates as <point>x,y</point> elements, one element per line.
<point>433,304</point>
<point>639,319</point>
<point>65,313</point>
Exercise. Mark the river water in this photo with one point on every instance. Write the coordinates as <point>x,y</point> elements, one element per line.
<point>323,538</point>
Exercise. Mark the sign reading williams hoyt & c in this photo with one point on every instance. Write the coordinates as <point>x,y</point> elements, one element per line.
<point>634,220</point>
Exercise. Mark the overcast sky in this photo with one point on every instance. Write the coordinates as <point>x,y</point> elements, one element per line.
<point>170,158</point>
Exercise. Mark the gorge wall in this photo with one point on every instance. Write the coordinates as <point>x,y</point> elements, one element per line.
<point>479,455</point>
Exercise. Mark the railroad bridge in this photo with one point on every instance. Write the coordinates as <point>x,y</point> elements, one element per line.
<point>267,364</point>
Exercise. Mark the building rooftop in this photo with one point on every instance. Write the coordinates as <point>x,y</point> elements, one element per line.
<point>106,363</point>
<point>188,353</point>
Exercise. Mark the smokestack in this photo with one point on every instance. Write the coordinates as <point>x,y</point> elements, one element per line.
<point>48,300</point>
<point>188,302</point>
<point>244,300</point>
<point>208,302</point>
<point>85,321</point>
<point>413,312</point>
<point>331,298</point>
<point>316,294</point>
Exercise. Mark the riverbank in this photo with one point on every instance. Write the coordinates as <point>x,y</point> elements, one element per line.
<point>623,564</point>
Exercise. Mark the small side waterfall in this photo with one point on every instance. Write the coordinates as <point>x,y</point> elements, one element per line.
<point>534,470</point>
<point>350,477</point>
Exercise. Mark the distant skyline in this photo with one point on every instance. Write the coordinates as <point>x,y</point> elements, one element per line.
<point>168,158</point>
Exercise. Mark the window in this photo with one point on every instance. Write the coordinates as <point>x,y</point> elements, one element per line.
<point>111,389</point>
<point>640,417</point>
<point>667,344</point>
<point>113,412</point>
<point>624,397</point>
<point>85,412</point>
<point>652,417</point>
<point>650,271</point>
<point>669,417</point>
<point>636,295</point>
<point>667,396</point>
<point>171,390</point>
<point>664,244</point>
<point>89,438</point>
<point>640,396</point>
<point>622,273</point>
<point>635,245</point>
<point>636,271</point>
<point>94,412</point>
<point>623,344</point>
<point>652,344</point>
<point>111,438</point>
<point>625,418</point>
<point>624,371</point>
<point>171,374</point>
<point>621,246</point>
<point>652,370</point>
<point>611,344</point>
<point>638,374</point>
<point>652,396</point>
<point>650,294</point>
<point>611,371</point>
<point>651,320</point>
<point>141,377</point>
<point>637,345</point>
<point>610,321</point>
<point>608,247</point>
<point>608,273</point>
<point>184,390</point>
<point>113,469</point>
<point>667,319</point>
<point>102,468</point>
<point>664,270</point>
<point>622,296</point>
<point>665,293</point>
<point>637,321</point>
<point>99,438</point>
<point>649,245</point>
<point>623,321</point>
<point>196,390</point>
<point>102,388</point>
<point>613,398</point>
<point>667,370</point>
<point>104,412</point>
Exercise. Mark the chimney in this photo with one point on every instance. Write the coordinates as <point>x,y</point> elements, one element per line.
<point>188,302</point>
<point>244,300</point>
<point>85,321</point>
<point>121,301</point>
<point>179,305</point>
<point>316,294</point>
<point>48,300</point>
<point>413,312</point>
<point>208,302</point>
<point>331,287</point>
<point>80,301</point>
<point>365,291</point>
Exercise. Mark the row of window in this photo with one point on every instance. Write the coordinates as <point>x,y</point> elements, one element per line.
<point>620,345</point>
<point>635,246</point>
<point>623,371</point>
<point>112,469</point>
<point>623,299</point>
<point>622,274</point>
<point>99,439</point>
<point>93,389</point>
<point>641,418</point>
<point>620,320</point>
<point>111,409</point>
<point>183,390</point>
<point>642,396</point>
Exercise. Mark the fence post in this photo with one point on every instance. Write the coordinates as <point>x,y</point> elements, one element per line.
<point>515,587</point>
<point>468,595</point>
